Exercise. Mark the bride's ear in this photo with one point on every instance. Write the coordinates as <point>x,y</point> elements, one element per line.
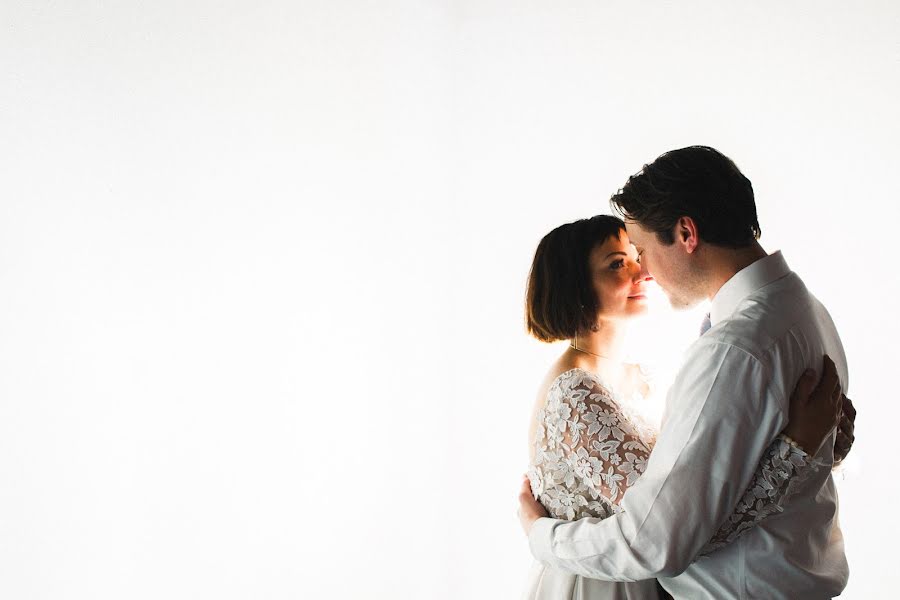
<point>687,234</point>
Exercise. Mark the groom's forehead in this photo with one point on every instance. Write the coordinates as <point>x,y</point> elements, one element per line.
<point>635,232</point>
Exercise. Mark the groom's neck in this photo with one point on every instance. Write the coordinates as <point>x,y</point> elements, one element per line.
<point>725,263</point>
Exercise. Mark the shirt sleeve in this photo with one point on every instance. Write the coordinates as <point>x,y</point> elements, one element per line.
<point>721,416</point>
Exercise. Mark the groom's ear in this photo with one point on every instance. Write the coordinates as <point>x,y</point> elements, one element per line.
<point>686,234</point>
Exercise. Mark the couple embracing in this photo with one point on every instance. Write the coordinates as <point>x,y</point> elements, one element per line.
<point>733,496</point>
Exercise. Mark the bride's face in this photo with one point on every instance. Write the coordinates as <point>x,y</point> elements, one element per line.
<point>618,280</point>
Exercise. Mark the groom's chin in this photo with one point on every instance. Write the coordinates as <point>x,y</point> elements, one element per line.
<point>682,303</point>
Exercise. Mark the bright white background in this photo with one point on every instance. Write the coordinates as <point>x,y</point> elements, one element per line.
<point>262,268</point>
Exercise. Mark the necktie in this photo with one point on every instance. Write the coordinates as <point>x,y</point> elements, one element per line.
<point>704,327</point>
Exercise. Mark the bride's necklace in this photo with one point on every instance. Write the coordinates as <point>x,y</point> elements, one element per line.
<point>574,346</point>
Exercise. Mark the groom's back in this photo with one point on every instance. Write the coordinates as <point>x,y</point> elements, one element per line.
<point>800,549</point>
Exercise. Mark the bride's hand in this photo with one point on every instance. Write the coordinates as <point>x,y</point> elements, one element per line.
<point>815,409</point>
<point>844,439</point>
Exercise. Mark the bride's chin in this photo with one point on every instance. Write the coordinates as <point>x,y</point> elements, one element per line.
<point>638,307</point>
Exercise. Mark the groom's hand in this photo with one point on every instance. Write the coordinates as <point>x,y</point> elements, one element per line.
<point>530,510</point>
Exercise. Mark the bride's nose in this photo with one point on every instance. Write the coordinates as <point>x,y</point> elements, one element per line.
<point>642,275</point>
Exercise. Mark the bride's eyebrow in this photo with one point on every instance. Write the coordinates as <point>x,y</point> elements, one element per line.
<point>616,252</point>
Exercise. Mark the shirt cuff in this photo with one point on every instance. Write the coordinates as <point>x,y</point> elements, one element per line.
<point>540,539</point>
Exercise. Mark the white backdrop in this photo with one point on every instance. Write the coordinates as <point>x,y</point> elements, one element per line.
<point>262,269</point>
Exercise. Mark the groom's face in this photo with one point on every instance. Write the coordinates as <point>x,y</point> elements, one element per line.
<point>669,265</point>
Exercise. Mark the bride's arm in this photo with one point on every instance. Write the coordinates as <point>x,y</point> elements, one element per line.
<point>586,452</point>
<point>788,461</point>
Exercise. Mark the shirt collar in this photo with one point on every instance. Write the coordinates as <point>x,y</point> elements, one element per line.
<point>746,281</point>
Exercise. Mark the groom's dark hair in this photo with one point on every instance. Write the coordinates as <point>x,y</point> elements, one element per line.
<point>697,182</point>
<point>560,300</point>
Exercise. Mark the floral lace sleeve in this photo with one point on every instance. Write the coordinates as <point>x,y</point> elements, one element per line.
<point>587,451</point>
<point>781,470</point>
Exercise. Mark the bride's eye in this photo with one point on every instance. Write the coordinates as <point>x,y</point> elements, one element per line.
<point>617,264</point>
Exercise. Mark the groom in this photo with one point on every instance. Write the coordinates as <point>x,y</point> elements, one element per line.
<point>692,217</point>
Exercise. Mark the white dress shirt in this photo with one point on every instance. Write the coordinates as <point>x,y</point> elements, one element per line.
<point>728,402</point>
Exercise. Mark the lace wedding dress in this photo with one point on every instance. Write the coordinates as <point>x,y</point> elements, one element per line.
<point>590,446</point>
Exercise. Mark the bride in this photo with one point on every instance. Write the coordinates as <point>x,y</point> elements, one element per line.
<point>589,443</point>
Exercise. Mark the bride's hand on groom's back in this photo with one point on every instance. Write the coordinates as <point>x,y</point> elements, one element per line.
<point>844,440</point>
<point>816,409</point>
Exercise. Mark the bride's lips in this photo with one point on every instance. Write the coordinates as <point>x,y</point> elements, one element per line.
<point>641,295</point>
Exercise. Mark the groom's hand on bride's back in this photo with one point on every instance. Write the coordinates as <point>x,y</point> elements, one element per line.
<point>817,408</point>
<point>530,509</point>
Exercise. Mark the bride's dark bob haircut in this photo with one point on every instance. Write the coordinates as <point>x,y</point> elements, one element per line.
<point>560,300</point>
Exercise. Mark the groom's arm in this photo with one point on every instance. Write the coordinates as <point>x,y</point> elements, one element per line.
<point>722,414</point>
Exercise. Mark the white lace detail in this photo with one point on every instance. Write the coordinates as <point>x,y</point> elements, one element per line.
<point>587,449</point>
<point>781,470</point>
<point>590,446</point>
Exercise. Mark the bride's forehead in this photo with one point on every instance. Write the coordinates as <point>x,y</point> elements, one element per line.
<point>617,242</point>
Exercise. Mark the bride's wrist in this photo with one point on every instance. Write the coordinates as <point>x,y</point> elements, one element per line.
<point>795,443</point>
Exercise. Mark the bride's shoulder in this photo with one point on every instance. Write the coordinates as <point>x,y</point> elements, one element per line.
<point>575,382</point>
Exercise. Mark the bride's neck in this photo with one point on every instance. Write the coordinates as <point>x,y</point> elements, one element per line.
<point>607,340</point>
<point>601,351</point>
